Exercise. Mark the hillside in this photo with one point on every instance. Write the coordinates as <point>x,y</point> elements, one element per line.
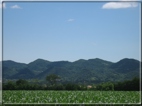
<point>10,68</point>
<point>80,71</point>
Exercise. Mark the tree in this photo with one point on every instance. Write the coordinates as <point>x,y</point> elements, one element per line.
<point>10,85</point>
<point>128,85</point>
<point>22,84</point>
<point>52,79</point>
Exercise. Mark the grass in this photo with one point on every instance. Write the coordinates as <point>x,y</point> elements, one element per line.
<point>38,96</point>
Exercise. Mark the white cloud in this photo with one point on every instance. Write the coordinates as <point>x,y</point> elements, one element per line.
<point>16,7</point>
<point>71,20</point>
<point>2,5</point>
<point>120,4</point>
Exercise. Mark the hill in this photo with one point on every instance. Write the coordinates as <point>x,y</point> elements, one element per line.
<point>11,68</point>
<point>80,71</point>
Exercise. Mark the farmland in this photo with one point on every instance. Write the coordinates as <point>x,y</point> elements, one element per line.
<point>41,96</point>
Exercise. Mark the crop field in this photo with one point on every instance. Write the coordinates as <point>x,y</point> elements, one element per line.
<point>0,96</point>
<point>95,97</point>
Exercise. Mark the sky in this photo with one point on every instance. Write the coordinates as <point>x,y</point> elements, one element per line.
<point>69,31</point>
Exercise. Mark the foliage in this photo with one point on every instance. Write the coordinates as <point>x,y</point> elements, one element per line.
<point>106,86</point>
<point>129,85</point>
<point>52,78</point>
<point>71,97</point>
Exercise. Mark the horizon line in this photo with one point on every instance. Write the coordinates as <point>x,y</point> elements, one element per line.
<point>68,60</point>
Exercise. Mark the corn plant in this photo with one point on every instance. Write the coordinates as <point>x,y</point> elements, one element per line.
<point>35,96</point>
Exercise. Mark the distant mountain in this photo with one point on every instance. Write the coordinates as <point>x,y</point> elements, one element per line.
<point>38,66</point>
<point>126,65</point>
<point>80,71</point>
<point>12,64</point>
<point>11,68</point>
<point>23,74</point>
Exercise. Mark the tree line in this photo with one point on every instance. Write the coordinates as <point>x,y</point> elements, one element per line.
<point>53,83</point>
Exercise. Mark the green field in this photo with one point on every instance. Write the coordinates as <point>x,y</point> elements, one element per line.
<point>40,96</point>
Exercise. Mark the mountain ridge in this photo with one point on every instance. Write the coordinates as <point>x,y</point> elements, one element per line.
<point>91,70</point>
<point>38,59</point>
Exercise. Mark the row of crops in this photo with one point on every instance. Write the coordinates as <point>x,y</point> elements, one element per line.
<point>70,97</point>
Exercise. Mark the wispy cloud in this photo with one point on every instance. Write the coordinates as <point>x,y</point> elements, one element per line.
<point>16,7</point>
<point>2,5</point>
<point>120,4</point>
<point>71,20</point>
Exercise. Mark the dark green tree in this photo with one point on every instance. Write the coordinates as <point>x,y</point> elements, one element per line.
<point>22,84</point>
<point>52,79</point>
<point>10,85</point>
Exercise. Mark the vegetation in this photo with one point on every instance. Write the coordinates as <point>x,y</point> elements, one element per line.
<point>82,81</point>
<point>129,85</point>
<point>71,97</point>
<point>82,71</point>
<point>52,79</point>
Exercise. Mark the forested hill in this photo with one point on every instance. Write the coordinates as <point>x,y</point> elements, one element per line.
<point>80,71</point>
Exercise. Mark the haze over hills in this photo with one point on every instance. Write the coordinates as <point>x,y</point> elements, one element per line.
<point>80,71</point>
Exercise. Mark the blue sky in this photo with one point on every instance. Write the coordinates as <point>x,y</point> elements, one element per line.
<point>70,31</point>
